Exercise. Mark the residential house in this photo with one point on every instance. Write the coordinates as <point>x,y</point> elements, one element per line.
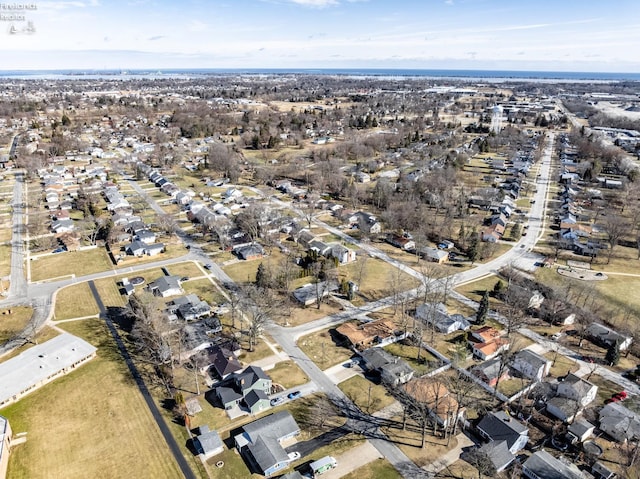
<point>250,252</point>
<point>491,372</point>
<point>607,337</point>
<point>572,395</point>
<point>542,465</point>
<point>578,389</point>
<point>492,233</point>
<point>260,442</point>
<point>486,343</point>
<point>224,362</point>
<point>401,241</point>
<point>500,426</point>
<point>495,452</point>
<point>237,386</point>
<point>207,443</point>
<point>434,255</point>
<point>443,406</point>
<point>619,422</point>
<point>190,307</point>
<point>136,248</point>
<point>166,286</point>
<point>393,371</point>
<point>146,236</point>
<point>309,293</point>
<point>373,333</point>
<point>531,365</point>
<point>154,249</point>
<point>62,226</point>
<point>580,430</point>
<point>342,254</point>
<point>436,314</point>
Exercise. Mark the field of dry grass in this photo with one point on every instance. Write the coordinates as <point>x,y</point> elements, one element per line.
<point>90,423</point>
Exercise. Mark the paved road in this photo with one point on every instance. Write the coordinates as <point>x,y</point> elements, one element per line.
<point>358,421</point>
<point>155,412</point>
<point>18,285</point>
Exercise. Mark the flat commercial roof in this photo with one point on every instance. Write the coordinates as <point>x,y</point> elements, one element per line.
<point>36,364</point>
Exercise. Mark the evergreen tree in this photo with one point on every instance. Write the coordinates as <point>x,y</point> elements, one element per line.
<point>498,288</point>
<point>473,251</point>
<point>263,276</point>
<point>483,308</point>
<point>613,354</point>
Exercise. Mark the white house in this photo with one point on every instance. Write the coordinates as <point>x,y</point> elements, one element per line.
<point>531,365</point>
<point>578,389</point>
<point>620,423</point>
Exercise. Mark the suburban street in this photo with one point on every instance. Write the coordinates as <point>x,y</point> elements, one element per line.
<point>42,295</point>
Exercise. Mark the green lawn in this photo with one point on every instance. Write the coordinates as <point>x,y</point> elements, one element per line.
<point>205,289</point>
<point>322,349</point>
<point>369,397</point>
<point>288,374</point>
<point>91,423</point>
<point>562,365</point>
<point>427,362</point>
<point>75,302</point>
<point>13,320</point>
<point>79,263</point>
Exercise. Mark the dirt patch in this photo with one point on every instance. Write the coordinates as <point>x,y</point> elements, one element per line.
<point>583,274</point>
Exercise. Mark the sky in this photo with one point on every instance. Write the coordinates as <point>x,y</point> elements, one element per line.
<point>541,35</point>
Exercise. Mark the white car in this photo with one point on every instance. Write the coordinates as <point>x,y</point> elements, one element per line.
<point>556,336</point>
<point>294,456</point>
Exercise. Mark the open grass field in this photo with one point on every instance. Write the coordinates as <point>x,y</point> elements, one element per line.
<point>83,425</point>
<point>369,397</point>
<point>374,283</point>
<point>378,469</point>
<point>323,349</point>
<point>205,289</point>
<point>188,269</point>
<point>75,302</point>
<point>13,320</point>
<point>79,263</point>
<point>288,374</point>
<point>562,364</point>
<point>5,260</point>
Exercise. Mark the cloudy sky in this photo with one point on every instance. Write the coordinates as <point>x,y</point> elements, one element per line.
<point>557,35</point>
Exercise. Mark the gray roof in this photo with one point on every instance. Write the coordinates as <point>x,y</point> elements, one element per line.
<point>209,441</point>
<point>490,369</point>
<point>499,426</point>
<point>498,453</point>
<point>227,395</point>
<point>579,427</point>
<point>545,466</point>
<point>225,362</point>
<point>267,452</point>
<point>278,425</point>
<point>397,368</point>
<point>36,364</point>
<point>292,475</point>
<point>165,283</point>
<point>254,396</point>
<point>375,358</point>
<point>532,358</point>
<point>250,376</point>
<point>614,416</point>
<point>605,334</point>
<point>581,386</point>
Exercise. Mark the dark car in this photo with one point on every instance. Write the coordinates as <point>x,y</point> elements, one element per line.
<point>294,395</point>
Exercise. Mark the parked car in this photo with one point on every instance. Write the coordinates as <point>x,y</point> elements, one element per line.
<point>277,401</point>
<point>59,250</point>
<point>294,456</point>
<point>294,395</point>
<point>556,336</point>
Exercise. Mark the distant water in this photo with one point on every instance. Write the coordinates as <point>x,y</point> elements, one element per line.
<point>469,75</point>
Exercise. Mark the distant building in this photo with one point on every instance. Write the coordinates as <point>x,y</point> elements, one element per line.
<point>5,445</point>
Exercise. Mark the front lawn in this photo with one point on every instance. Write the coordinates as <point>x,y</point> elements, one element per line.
<point>323,348</point>
<point>13,320</point>
<point>288,374</point>
<point>369,397</point>
<point>78,263</point>
<point>75,301</point>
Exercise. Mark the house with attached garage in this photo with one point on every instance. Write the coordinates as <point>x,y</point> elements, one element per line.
<point>442,404</point>
<point>261,442</point>
<point>436,314</point>
<point>500,426</point>
<point>393,371</point>
<point>166,286</point>
<point>572,395</point>
<point>237,386</point>
<point>542,465</point>
<point>607,337</point>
